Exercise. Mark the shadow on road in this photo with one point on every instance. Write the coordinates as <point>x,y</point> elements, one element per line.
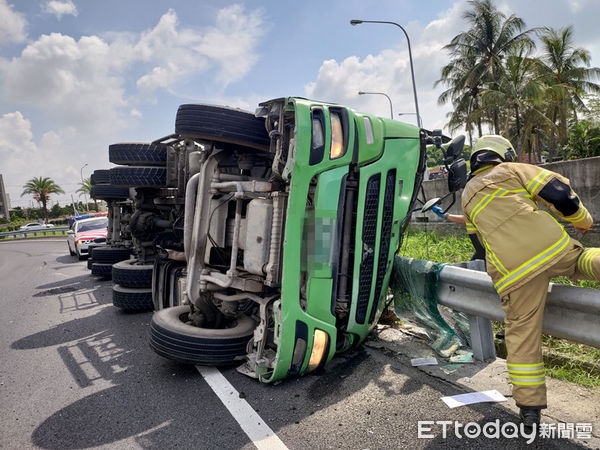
<point>67,259</point>
<point>161,404</point>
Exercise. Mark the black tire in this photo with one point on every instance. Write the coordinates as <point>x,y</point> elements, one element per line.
<point>99,177</point>
<point>109,192</point>
<point>222,124</point>
<point>132,154</point>
<point>172,338</point>
<point>103,270</point>
<point>155,177</point>
<point>90,261</point>
<point>71,252</point>
<point>132,299</point>
<point>110,254</point>
<point>131,274</point>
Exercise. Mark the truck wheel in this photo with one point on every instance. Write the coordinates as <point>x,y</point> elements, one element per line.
<point>131,274</point>
<point>155,177</point>
<point>99,177</point>
<point>103,270</point>
<point>108,192</point>
<point>132,154</point>
<point>222,124</point>
<point>172,337</point>
<point>110,254</point>
<point>90,261</point>
<point>132,299</point>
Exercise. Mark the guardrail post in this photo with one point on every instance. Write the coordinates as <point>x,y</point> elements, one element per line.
<point>480,328</point>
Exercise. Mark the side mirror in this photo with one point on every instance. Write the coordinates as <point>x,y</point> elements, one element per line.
<point>454,150</point>
<point>70,232</point>
<point>457,175</point>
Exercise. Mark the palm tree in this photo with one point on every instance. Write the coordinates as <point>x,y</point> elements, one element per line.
<point>566,72</point>
<point>485,44</point>
<point>41,188</point>
<point>519,94</point>
<point>85,187</point>
<point>464,94</point>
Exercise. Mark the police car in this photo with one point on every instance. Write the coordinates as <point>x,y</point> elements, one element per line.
<point>87,231</point>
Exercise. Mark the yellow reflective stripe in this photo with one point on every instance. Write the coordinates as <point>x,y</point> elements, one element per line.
<point>537,365</point>
<point>581,261</point>
<point>525,370</point>
<point>528,383</point>
<point>533,263</point>
<point>579,216</point>
<point>588,261</point>
<point>482,169</point>
<point>584,258</point>
<point>470,227</point>
<point>537,181</point>
<point>493,258</point>
<point>590,264</point>
<point>585,263</point>
<point>485,201</point>
<point>495,261</point>
<point>528,375</point>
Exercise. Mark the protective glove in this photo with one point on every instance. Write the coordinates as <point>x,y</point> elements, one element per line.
<point>438,211</point>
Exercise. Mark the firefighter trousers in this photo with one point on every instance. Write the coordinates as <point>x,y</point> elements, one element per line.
<point>524,309</point>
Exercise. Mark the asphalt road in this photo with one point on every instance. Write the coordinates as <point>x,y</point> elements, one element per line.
<point>75,372</point>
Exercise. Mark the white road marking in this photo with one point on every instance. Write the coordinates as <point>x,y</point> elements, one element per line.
<point>257,430</point>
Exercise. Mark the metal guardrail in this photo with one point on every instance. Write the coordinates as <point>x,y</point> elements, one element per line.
<point>571,312</point>
<point>26,233</point>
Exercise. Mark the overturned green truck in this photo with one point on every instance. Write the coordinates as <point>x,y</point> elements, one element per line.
<point>291,220</point>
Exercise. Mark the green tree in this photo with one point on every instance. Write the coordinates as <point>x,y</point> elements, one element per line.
<point>567,75</point>
<point>584,140</point>
<point>85,187</point>
<point>41,188</point>
<point>477,54</point>
<point>519,95</point>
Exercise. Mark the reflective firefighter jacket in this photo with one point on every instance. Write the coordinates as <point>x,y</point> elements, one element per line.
<point>501,204</point>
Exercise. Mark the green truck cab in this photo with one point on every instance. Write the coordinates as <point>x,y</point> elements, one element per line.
<point>289,236</point>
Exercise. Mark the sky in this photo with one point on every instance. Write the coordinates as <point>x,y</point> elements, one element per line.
<point>79,75</point>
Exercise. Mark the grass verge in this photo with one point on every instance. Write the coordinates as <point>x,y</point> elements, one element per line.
<point>37,235</point>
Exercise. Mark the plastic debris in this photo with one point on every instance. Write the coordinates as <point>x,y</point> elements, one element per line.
<point>455,401</point>
<point>416,362</point>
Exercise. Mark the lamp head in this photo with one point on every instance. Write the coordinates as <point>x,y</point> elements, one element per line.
<point>355,22</point>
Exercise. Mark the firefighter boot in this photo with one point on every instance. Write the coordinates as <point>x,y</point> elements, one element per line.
<point>530,415</point>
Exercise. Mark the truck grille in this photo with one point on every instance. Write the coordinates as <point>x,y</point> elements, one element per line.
<point>386,235</point>
<point>369,234</point>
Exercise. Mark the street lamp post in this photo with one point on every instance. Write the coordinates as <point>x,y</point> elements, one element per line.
<point>412,71</point>
<point>411,113</point>
<point>84,196</point>
<point>381,93</point>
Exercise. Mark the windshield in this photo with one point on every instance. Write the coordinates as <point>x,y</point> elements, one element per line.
<point>92,225</point>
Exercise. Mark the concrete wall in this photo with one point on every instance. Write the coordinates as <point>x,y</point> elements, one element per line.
<point>584,175</point>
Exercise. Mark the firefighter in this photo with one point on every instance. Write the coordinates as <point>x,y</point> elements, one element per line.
<point>525,247</point>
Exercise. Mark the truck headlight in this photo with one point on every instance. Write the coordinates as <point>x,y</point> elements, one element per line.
<point>337,137</point>
<point>319,349</point>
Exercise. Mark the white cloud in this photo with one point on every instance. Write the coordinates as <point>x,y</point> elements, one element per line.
<point>12,24</point>
<point>79,89</point>
<point>82,83</point>
<point>57,155</point>
<point>60,8</point>
<point>389,72</point>
<point>175,54</point>
<point>79,84</point>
